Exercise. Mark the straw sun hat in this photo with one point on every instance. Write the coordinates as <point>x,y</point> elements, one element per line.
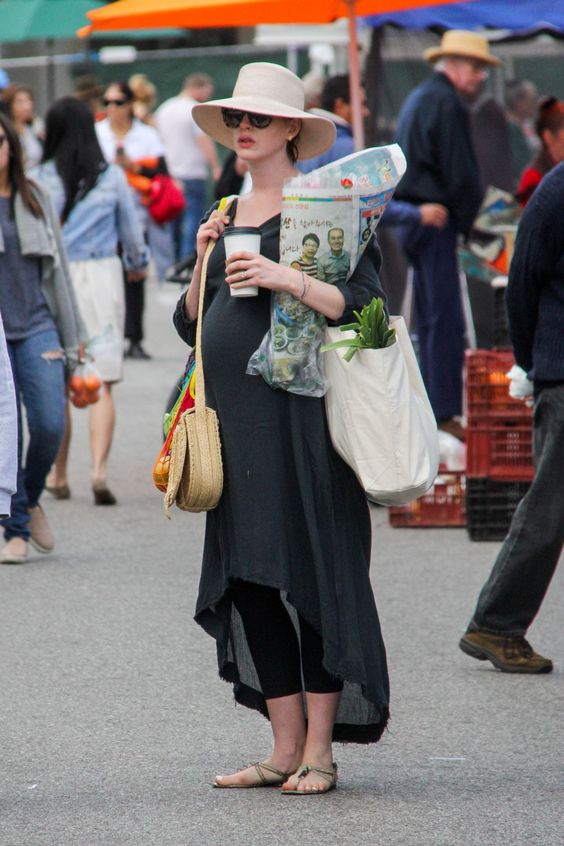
<point>268,89</point>
<point>462,44</point>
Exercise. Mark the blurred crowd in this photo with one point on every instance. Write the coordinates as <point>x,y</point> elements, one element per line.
<point>85,181</point>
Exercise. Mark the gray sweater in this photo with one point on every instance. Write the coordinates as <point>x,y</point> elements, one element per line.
<point>8,429</point>
<point>42,237</point>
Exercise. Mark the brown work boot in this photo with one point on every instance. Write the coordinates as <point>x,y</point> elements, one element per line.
<point>41,535</point>
<point>509,654</point>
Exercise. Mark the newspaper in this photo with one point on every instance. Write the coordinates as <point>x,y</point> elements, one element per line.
<point>328,218</point>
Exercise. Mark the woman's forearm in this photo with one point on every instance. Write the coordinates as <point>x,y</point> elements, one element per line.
<point>193,293</point>
<point>321,296</point>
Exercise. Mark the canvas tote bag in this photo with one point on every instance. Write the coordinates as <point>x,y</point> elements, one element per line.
<point>380,418</point>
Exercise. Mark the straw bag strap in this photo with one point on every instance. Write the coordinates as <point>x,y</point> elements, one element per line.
<point>200,398</point>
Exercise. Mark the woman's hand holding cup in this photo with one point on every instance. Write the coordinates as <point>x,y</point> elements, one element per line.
<point>242,251</point>
<point>211,229</point>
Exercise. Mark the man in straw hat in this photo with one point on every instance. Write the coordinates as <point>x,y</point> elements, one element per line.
<point>435,135</point>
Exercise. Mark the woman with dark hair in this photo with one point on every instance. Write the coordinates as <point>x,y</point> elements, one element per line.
<point>549,126</point>
<point>19,108</point>
<point>138,149</point>
<point>98,216</point>
<point>43,332</point>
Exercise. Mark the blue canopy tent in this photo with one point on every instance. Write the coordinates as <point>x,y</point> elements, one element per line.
<point>519,16</point>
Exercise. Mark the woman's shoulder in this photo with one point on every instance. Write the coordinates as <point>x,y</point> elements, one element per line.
<point>144,140</point>
<point>143,130</point>
<point>44,172</point>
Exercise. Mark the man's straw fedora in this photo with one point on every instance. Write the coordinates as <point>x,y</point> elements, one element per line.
<point>268,89</point>
<point>462,44</point>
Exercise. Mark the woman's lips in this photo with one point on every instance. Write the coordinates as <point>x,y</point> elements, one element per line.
<point>245,141</point>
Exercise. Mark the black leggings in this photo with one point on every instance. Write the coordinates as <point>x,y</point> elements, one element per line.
<point>275,646</point>
<point>134,308</point>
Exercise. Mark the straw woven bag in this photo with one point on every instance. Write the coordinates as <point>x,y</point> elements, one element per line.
<point>195,476</point>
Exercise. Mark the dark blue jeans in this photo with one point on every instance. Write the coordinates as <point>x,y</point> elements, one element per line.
<point>40,386</point>
<point>439,317</point>
<point>512,596</point>
<point>186,226</point>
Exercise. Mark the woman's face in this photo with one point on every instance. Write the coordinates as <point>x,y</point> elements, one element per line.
<point>117,106</point>
<point>252,144</point>
<point>4,151</point>
<point>554,142</point>
<point>310,248</point>
<point>22,107</point>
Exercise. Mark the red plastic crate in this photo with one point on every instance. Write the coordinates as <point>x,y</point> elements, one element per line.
<point>501,450</point>
<point>487,386</point>
<point>444,506</point>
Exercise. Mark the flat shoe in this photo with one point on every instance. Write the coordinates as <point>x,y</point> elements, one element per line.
<point>10,553</point>
<point>59,491</point>
<point>262,781</point>
<point>103,495</point>
<point>41,536</point>
<point>329,776</point>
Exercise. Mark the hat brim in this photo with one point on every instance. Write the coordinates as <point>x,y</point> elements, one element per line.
<point>316,135</point>
<point>433,54</point>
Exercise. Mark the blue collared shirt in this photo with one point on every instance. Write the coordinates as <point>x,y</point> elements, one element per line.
<point>103,218</point>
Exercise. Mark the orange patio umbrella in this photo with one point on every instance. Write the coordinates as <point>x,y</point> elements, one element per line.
<point>194,14</point>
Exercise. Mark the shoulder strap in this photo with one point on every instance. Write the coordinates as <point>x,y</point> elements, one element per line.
<point>200,399</point>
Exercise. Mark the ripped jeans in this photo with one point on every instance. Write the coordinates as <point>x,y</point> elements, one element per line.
<point>40,385</point>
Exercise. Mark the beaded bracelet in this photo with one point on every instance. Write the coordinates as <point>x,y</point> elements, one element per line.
<point>306,282</point>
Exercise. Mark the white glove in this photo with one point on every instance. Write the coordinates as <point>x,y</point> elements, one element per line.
<point>520,387</point>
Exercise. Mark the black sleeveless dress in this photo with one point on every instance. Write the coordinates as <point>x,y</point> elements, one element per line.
<point>292,514</point>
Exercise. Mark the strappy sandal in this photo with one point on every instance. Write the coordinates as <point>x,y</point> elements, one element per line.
<point>330,776</point>
<point>263,780</point>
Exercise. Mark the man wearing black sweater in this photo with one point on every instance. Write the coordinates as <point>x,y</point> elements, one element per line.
<point>435,134</point>
<point>513,594</point>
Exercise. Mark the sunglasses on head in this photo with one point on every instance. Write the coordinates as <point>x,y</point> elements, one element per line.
<point>232,119</point>
<point>121,102</point>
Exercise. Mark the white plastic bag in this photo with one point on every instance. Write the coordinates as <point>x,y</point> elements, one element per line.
<point>380,418</point>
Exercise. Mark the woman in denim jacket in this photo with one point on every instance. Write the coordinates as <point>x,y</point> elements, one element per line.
<point>99,224</point>
<point>43,328</point>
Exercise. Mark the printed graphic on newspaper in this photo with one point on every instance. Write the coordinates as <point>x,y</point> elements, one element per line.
<point>328,218</point>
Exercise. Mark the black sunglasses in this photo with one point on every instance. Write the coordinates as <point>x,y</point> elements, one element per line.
<point>232,119</point>
<point>114,102</point>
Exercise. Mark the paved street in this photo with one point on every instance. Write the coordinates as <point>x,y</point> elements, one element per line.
<point>113,720</point>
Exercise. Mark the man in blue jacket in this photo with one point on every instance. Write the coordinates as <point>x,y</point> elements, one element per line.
<point>513,594</point>
<point>435,135</point>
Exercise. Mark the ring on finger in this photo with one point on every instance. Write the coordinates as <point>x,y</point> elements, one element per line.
<point>242,275</point>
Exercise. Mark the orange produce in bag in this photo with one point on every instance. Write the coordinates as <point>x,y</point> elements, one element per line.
<point>183,403</point>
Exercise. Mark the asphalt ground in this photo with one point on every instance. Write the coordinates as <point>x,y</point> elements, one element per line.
<point>114,722</point>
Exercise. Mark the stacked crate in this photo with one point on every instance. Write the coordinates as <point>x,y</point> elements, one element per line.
<point>443,506</point>
<point>499,445</point>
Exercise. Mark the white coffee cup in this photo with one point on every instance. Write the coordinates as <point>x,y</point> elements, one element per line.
<point>238,238</point>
